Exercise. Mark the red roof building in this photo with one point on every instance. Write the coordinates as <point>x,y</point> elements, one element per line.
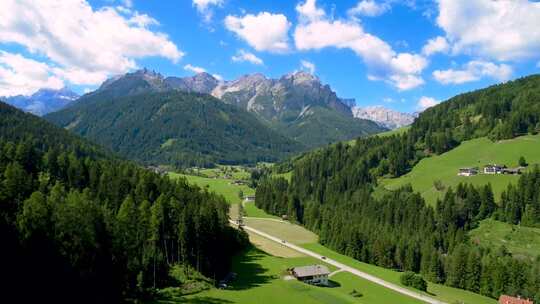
<point>504,299</point>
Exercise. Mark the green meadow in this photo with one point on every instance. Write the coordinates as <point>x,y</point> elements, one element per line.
<point>520,241</point>
<point>261,280</point>
<point>252,211</point>
<point>437,291</point>
<point>473,153</point>
<point>221,186</point>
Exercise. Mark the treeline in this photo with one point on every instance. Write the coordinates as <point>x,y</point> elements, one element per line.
<point>399,231</point>
<point>76,227</point>
<point>520,204</point>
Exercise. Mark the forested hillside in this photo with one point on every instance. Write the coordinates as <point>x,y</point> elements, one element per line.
<point>78,226</point>
<point>331,193</point>
<point>174,128</point>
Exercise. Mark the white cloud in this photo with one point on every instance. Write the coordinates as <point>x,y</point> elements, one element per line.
<point>264,32</point>
<point>243,56</point>
<point>369,8</point>
<point>436,45</point>
<point>473,71</point>
<point>204,7</point>
<point>309,11</point>
<point>194,69</point>
<point>401,70</point>
<point>426,102</point>
<point>308,66</point>
<point>218,77</point>
<point>502,30</point>
<point>84,45</point>
<point>23,76</point>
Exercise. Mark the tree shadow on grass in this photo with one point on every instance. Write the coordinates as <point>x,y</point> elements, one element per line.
<point>249,271</point>
<point>205,300</point>
<point>332,284</point>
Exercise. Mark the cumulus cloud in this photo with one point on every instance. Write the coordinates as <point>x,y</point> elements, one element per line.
<point>23,76</point>
<point>205,8</point>
<point>473,71</point>
<point>502,30</point>
<point>194,69</point>
<point>436,45</point>
<point>308,66</point>
<point>401,70</point>
<point>309,11</point>
<point>244,56</point>
<point>84,45</point>
<point>264,31</point>
<point>426,102</point>
<point>369,8</point>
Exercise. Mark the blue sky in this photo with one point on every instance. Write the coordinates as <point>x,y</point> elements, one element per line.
<point>404,55</point>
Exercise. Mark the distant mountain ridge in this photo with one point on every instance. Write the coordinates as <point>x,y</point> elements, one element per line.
<point>173,128</point>
<point>383,116</point>
<point>43,101</point>
<point>296,105</point>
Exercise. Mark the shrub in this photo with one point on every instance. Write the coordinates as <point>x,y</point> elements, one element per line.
<point>413,280</point>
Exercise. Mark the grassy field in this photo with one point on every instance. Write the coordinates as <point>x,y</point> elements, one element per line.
<point>219,185</point>
<point>473,153</point>
<point>398,131</point>
<point>520,241</point>
<point>271,247</point>
<point>260,280</point>
<point>289,232</point>
<point>440,292</point>
<point>252,211</point>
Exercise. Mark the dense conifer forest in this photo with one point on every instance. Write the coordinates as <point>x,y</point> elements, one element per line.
<point>332,193</point>
<point>174,128</point>
<point>80,226</point>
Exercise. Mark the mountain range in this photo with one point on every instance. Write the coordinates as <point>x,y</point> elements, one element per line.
<point>384,117</point>
<point>43,101</point>
<point>174,128</point>
<point>296,105</point>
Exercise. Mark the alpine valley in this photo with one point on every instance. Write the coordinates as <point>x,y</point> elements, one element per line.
<point>303,152</point>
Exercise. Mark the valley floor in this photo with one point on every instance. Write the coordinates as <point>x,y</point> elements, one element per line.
<point>261,269</point>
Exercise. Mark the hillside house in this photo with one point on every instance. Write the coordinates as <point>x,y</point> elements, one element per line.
<point>313,274</point>
<point>504,299</point>
<point>467,171</point>
<point>249,198</point>
<point>493,169</point>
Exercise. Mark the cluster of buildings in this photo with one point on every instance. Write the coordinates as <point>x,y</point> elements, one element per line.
<point>490,169</point>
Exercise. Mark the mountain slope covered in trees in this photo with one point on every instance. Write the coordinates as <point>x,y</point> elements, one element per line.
<point>79,226</point>
<point>173,128</point>
<point>331,193</point>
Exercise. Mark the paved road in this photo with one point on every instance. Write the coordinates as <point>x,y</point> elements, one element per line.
<point>344,267</point>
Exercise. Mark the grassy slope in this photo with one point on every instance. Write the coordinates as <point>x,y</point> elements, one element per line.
<point>518,240</point>
<point>259,281</point>
<point>477,152</point>
<point>252,211</point>
<point>219,185</point>
<point>440,292</point>
<point>289,232</point>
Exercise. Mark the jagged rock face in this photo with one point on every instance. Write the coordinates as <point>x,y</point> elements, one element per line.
<point>279,99</point>
<point>43,101</point>
<point>297,105</point>
<point>385,117</point>
<point>200,83</point>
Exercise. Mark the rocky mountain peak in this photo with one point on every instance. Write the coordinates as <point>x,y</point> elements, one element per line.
<point>384,117</point>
